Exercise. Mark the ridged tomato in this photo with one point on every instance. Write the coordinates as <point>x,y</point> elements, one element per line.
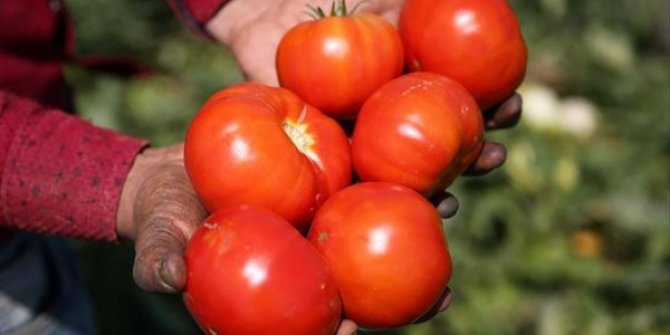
<point>387,252</point>
<point>259,145</point>
<point>336,62</point>
<point>251,273</point>
<point>476,42</point>
<point>421,130</point>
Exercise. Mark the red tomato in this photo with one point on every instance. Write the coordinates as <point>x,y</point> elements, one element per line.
<point>476,42</point>
<point>336,62</point>
<point>421,130</point>
<point>387,252</point>
<point>260,145</point>
<point>251,273</point>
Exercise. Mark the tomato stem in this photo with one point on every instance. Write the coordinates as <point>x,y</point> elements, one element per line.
<point>338,8</point>
<point>315,12</point>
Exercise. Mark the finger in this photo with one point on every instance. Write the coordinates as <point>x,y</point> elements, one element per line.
<point>506,115</point>
<point>168,212</point>
<point>159,264</point>
<point>440,306</point>
<point>493,155</point>
<point>446,204</point>
<point>347,327</point>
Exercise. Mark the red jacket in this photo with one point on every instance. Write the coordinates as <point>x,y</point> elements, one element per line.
<point>59,174</point>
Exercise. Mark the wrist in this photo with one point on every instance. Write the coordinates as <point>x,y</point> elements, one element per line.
<point>230,19</point>
<point>195,13</point>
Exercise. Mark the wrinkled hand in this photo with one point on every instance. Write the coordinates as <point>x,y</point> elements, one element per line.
<point>160,211</point>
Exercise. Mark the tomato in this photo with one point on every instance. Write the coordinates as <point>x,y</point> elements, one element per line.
<point>251,273</point>
<point>421,130</point>
<point>259,145</point>
<point>336,62</point>
<point>476,42</point>
<point>387,252</point>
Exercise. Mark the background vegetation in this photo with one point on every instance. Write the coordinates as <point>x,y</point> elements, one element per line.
<point>571,236</point>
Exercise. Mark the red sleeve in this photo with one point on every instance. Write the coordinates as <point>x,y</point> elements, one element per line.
<point>194,14</point>
<point>60,174</point>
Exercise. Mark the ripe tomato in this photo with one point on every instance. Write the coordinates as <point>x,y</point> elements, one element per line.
<point>476,42</point>
<point>421,130</point>
<point>336,62</point>
<point>251,273</point>
<point>387,252</point>
<point>260,145</point>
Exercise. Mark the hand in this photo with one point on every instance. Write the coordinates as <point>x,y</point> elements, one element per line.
<point>348,327</point>
<point>160,211</point>
<point>252,29</point>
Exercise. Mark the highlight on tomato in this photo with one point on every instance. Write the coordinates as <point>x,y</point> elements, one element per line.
<point>252,144</point>
<point>335,62</point>
<point>387,252</point>
<point>421,130</point>
<point>476,42</point>
<point>249,272</point>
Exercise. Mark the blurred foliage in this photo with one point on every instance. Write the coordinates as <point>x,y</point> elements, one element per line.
<point>571,236</point>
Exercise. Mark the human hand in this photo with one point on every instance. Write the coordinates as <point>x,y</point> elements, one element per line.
<point>159,210</point>
<point>252,29</point>
<point>348,327</point>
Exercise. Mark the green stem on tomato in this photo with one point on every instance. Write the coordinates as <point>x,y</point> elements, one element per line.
<point>338,8</point>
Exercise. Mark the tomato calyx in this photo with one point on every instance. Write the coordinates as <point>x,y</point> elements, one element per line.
<point>338,8</point>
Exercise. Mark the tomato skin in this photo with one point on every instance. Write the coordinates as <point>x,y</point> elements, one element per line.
<point>387,252</point>
<point>421,130</point>
<point>238,150</point>
<point>251,273</point>
<point>335,63</point>
<point>476,42</point>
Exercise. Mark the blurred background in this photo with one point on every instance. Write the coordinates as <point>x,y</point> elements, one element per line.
<point>571,236</point>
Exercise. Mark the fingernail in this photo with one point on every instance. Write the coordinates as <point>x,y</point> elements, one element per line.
<point>164,275</point>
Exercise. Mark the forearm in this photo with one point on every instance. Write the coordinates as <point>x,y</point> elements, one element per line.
<point>59,174</point>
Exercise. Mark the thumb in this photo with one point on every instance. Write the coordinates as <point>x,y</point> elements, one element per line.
<point>167,211</point>
<point>159,265</point>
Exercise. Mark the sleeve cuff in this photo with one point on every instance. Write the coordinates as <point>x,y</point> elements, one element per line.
<point>194,14</point>
<point>64,176</point>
